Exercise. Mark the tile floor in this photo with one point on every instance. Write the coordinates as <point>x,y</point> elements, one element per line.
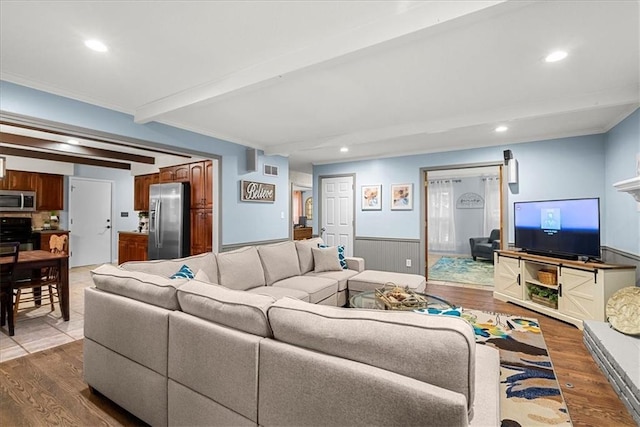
<point>40,328</point>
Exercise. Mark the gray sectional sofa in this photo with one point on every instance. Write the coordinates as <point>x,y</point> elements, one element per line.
<point>257,341</point>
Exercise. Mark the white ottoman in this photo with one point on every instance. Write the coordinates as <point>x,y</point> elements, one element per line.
<point>370,280</point>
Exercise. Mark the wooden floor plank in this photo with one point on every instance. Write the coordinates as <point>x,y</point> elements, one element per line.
<point>47,387</point>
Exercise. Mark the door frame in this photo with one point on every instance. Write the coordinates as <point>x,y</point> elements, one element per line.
<point>113,215</point>
<point>353,205</point>
<point>504,203</point>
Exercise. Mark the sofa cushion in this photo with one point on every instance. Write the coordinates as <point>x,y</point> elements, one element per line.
<point>277,292</point>
<point>161,267</point>
<point>326,259</point>
<point>241,269</point>
<point>318,288</point>
<point>236,309</point>
<point>341,277</point>
<point>202,277</point>
<point>145,287</point>
<point>305,257</point>
<point>381,339</point>
<point>279,261</point>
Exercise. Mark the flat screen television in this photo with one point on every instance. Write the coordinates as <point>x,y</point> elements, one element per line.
<point>568,228</point>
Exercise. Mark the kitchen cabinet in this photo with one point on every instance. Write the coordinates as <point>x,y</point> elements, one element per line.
<point>178,173</point>
<point>141,190</point>
<point>201,231</point>
<point>49,192</point>
<point>201,180</point>
<point>582,289</point>
<point>19,180</point>
<point>132,246</point>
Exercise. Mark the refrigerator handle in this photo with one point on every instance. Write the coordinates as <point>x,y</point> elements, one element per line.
<point>158,222</point>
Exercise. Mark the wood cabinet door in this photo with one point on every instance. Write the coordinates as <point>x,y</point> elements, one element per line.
<point>208,184</point>
<point>201,229</point>
<point>197,173</point>
<point>506,277</point>
<point>182,173</point>
<point>49,192</point>
<point>166,174</point>
<point>579,294</point>
<point>123,250</point>
<point>140,248</point>
<point>20,180</point>
<point>138,193</point>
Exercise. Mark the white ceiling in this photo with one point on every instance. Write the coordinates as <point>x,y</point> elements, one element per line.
<point>304,78</point>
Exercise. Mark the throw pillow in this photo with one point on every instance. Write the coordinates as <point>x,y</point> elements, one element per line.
<point>184,273</point>
<point>326,259</point>
<point>341,258</point>
<point>202,276</point>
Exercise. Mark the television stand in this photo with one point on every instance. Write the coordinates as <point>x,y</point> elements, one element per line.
<point>580,292</point>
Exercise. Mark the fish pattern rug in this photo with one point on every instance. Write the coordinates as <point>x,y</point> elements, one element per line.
<point>530,393</point>
<point>462,270</point>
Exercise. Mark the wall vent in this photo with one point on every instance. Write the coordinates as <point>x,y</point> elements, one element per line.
<point>270,170</point>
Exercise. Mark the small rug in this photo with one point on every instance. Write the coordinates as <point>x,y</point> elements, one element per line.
<point>530,393</point>
<point>462,270</point>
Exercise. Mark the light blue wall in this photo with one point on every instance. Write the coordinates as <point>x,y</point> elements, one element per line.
<point>241,222</point>
<point>622,223</point>
<point>553,169</point>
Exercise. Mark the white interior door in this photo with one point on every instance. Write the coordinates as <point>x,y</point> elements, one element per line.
<point>90,223</point>
<point>337,212</point>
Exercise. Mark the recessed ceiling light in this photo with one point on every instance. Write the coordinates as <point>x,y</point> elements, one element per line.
<point>96,45</point>
<point>73,141</point>
<point>556,56</point>
<point>501,129</point>
<point>344,149</point>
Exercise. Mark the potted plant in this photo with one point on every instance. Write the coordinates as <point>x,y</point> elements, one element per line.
<point>543,295</point>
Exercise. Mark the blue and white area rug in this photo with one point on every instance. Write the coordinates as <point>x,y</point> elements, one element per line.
<point>462,270</point>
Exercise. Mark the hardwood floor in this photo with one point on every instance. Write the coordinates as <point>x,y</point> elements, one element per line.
<point>47,388</point>
<point>590,398</point>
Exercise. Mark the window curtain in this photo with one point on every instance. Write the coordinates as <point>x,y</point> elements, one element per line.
<point>441,228</point>
<point>297,206</point>
<point>491,204</point>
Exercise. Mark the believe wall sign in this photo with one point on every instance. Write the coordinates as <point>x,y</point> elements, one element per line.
<point>251,191</point>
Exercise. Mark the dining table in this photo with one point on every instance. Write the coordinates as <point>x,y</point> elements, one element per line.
<point>36,260</point>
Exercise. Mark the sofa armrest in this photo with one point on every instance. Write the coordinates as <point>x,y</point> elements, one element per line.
<point>495,245</point>
<point>355,263</point>
<point>475,240</point>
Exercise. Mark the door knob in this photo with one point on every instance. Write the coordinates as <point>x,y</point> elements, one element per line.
<point>108,226</point>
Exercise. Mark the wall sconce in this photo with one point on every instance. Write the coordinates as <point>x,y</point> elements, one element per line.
<point>3,167</point>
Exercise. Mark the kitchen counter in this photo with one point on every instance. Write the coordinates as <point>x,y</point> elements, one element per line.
<point>51,231</point>
<point>42,238</point>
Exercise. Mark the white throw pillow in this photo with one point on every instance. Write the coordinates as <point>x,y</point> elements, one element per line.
<point>202,276</point>
<point>326,259</point>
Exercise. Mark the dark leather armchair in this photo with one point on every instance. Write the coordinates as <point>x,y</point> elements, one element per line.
<point>484,246</point>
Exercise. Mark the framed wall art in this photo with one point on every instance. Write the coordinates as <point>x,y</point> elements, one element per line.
<point>371,195</point>
<point>402,197</point>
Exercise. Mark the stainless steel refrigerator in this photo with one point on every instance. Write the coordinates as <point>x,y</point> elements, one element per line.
<point>169,216</point>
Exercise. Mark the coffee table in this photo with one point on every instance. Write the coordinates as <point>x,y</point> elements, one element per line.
<point>368,300</point>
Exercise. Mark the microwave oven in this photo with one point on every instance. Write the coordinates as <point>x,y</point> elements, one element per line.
<point>17,201</point>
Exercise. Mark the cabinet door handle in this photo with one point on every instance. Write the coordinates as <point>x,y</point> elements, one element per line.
<point>559,289</point>
<point>518,280</point>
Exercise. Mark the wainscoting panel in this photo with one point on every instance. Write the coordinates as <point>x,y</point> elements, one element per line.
<point>233,246</point>
<point>389,254</point>
<point>616,256</point>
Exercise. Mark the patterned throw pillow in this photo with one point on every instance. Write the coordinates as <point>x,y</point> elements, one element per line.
<point>184,273</point>
<point>341,258</point>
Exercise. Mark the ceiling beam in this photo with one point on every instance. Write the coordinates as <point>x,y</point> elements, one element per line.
<point>27,141</point>
<point>56,128</point>
<point>30,154</point>
<point>415,18</point>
